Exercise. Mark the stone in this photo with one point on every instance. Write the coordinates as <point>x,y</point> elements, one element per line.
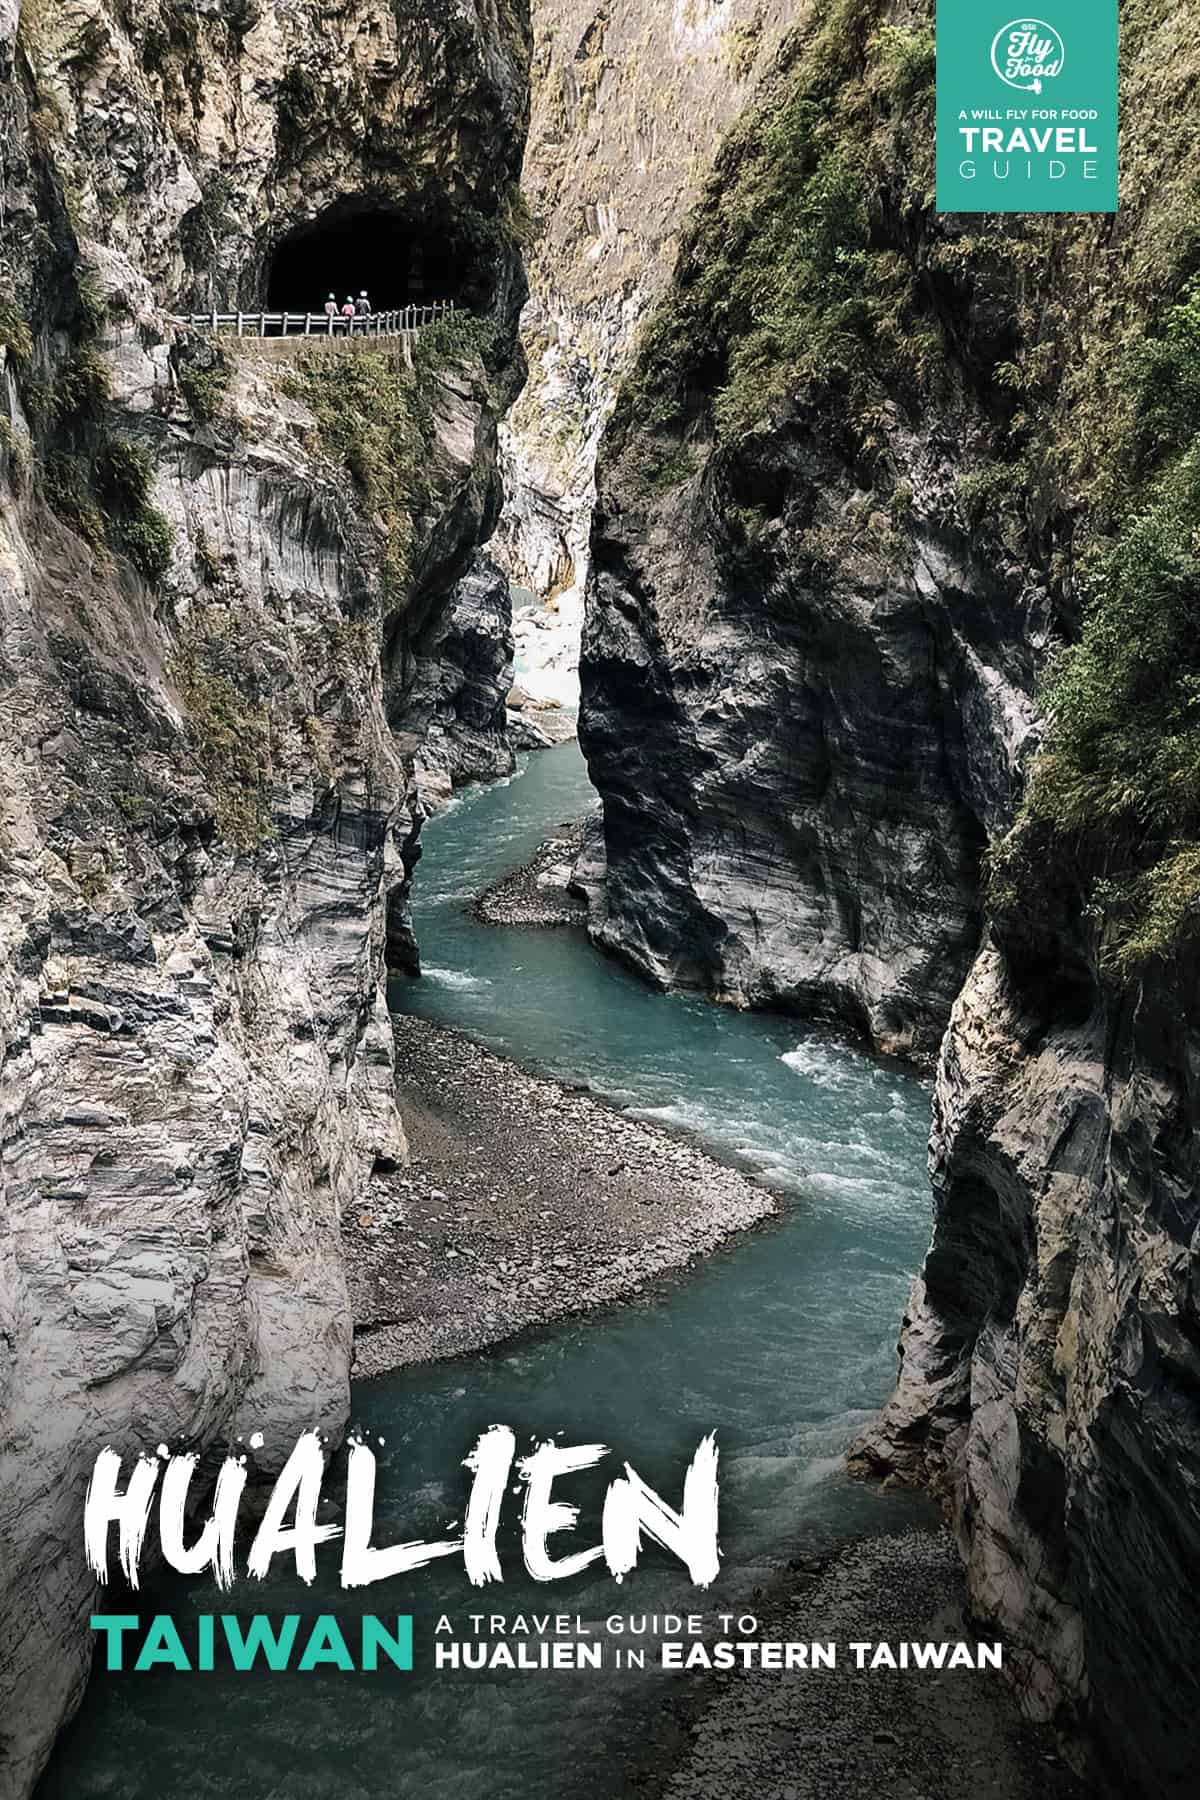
<point>461,688</point>
<point>609,210</point>
<point>796,795</point>
<point>1048,1368</point>
<point>208,788</point>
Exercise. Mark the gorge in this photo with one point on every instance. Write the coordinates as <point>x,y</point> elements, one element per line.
<point>887,525</point>
<point>781,1344</point>
<point>871,464</point>
<point>217,568</point>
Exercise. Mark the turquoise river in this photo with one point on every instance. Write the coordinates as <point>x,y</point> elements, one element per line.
<point>781,1344</point>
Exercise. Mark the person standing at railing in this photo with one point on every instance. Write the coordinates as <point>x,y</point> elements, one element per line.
<point>348,312</point>
<point>362,312</point>
<point>331,308</point>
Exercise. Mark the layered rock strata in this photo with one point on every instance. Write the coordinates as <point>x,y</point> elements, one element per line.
<point>463,688</point>
<point>628,104</point>
<point>807,674</point>
<point>870,463</point>
<point>800,762</point>
<point>215,570</point>
<point>1049,1364</point>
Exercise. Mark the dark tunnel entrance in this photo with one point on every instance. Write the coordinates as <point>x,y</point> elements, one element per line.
<point>400,261</point>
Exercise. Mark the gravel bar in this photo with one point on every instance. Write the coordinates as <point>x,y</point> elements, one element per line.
<point>525,1201</point>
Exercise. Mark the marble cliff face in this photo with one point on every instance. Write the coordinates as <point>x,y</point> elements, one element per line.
<point>802,742</point>
<point>210,627</point>
<point>1048,1378</point>
<point>628,104</point>
<point>869,466</point>
<point>807,694</point>
<point>858,482</point>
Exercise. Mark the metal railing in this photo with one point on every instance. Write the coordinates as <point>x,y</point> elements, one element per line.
<point>397,323</point>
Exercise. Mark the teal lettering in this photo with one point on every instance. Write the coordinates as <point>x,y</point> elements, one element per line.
<point>261,1636</point>
<point>397,1649</point>
<point>162,1644</point>
<point>325,1645</point>
<point>114,1626</point>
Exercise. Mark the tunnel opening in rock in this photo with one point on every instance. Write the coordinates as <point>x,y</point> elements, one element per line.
<point>399,259</point>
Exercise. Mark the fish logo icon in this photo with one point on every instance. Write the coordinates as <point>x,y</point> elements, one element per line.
<point>1027,53</point>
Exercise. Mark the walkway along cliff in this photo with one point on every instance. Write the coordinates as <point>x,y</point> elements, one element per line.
<point>217,573</point>
<point>870,467</point>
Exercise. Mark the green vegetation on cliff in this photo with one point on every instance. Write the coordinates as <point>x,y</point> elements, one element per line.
<point>97,480</point>
<point>233,737</point>
<point>204,373</point>
<point>817,289</point>
<point>1119,778</point>
<point>124,473</point>
<point>783,290</point>
<point>375,421</point>
<point>372,424</point>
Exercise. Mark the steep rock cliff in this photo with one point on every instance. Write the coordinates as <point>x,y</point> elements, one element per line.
<point>803,739</point>
<point>869,464</point>
<point>806,672</point>
<point>466,677</point>
<point>216,566</point>
<point>1050,1367</point>
<point>628,103</point>
<point>1048,1383</point>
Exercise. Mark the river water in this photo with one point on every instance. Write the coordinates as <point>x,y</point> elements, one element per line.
<point>781,1344</point>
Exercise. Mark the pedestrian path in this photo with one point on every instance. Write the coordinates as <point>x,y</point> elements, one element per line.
<point>400,322</point>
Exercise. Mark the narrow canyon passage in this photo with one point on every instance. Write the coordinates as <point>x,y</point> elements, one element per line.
<point>678,390</point>
<point>782,1345</point>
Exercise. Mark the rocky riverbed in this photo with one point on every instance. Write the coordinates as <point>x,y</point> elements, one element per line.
<point>524,1201</point>
<point>836,1734</point>
<point>536,724</point>
<point>539,894</point>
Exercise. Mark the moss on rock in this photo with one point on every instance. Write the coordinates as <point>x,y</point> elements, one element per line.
<point>375,417</point>
<point>817,281</point>
<point>232,735</point>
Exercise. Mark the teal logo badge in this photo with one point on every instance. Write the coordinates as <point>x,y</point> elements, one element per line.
<point>1027,107</point>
